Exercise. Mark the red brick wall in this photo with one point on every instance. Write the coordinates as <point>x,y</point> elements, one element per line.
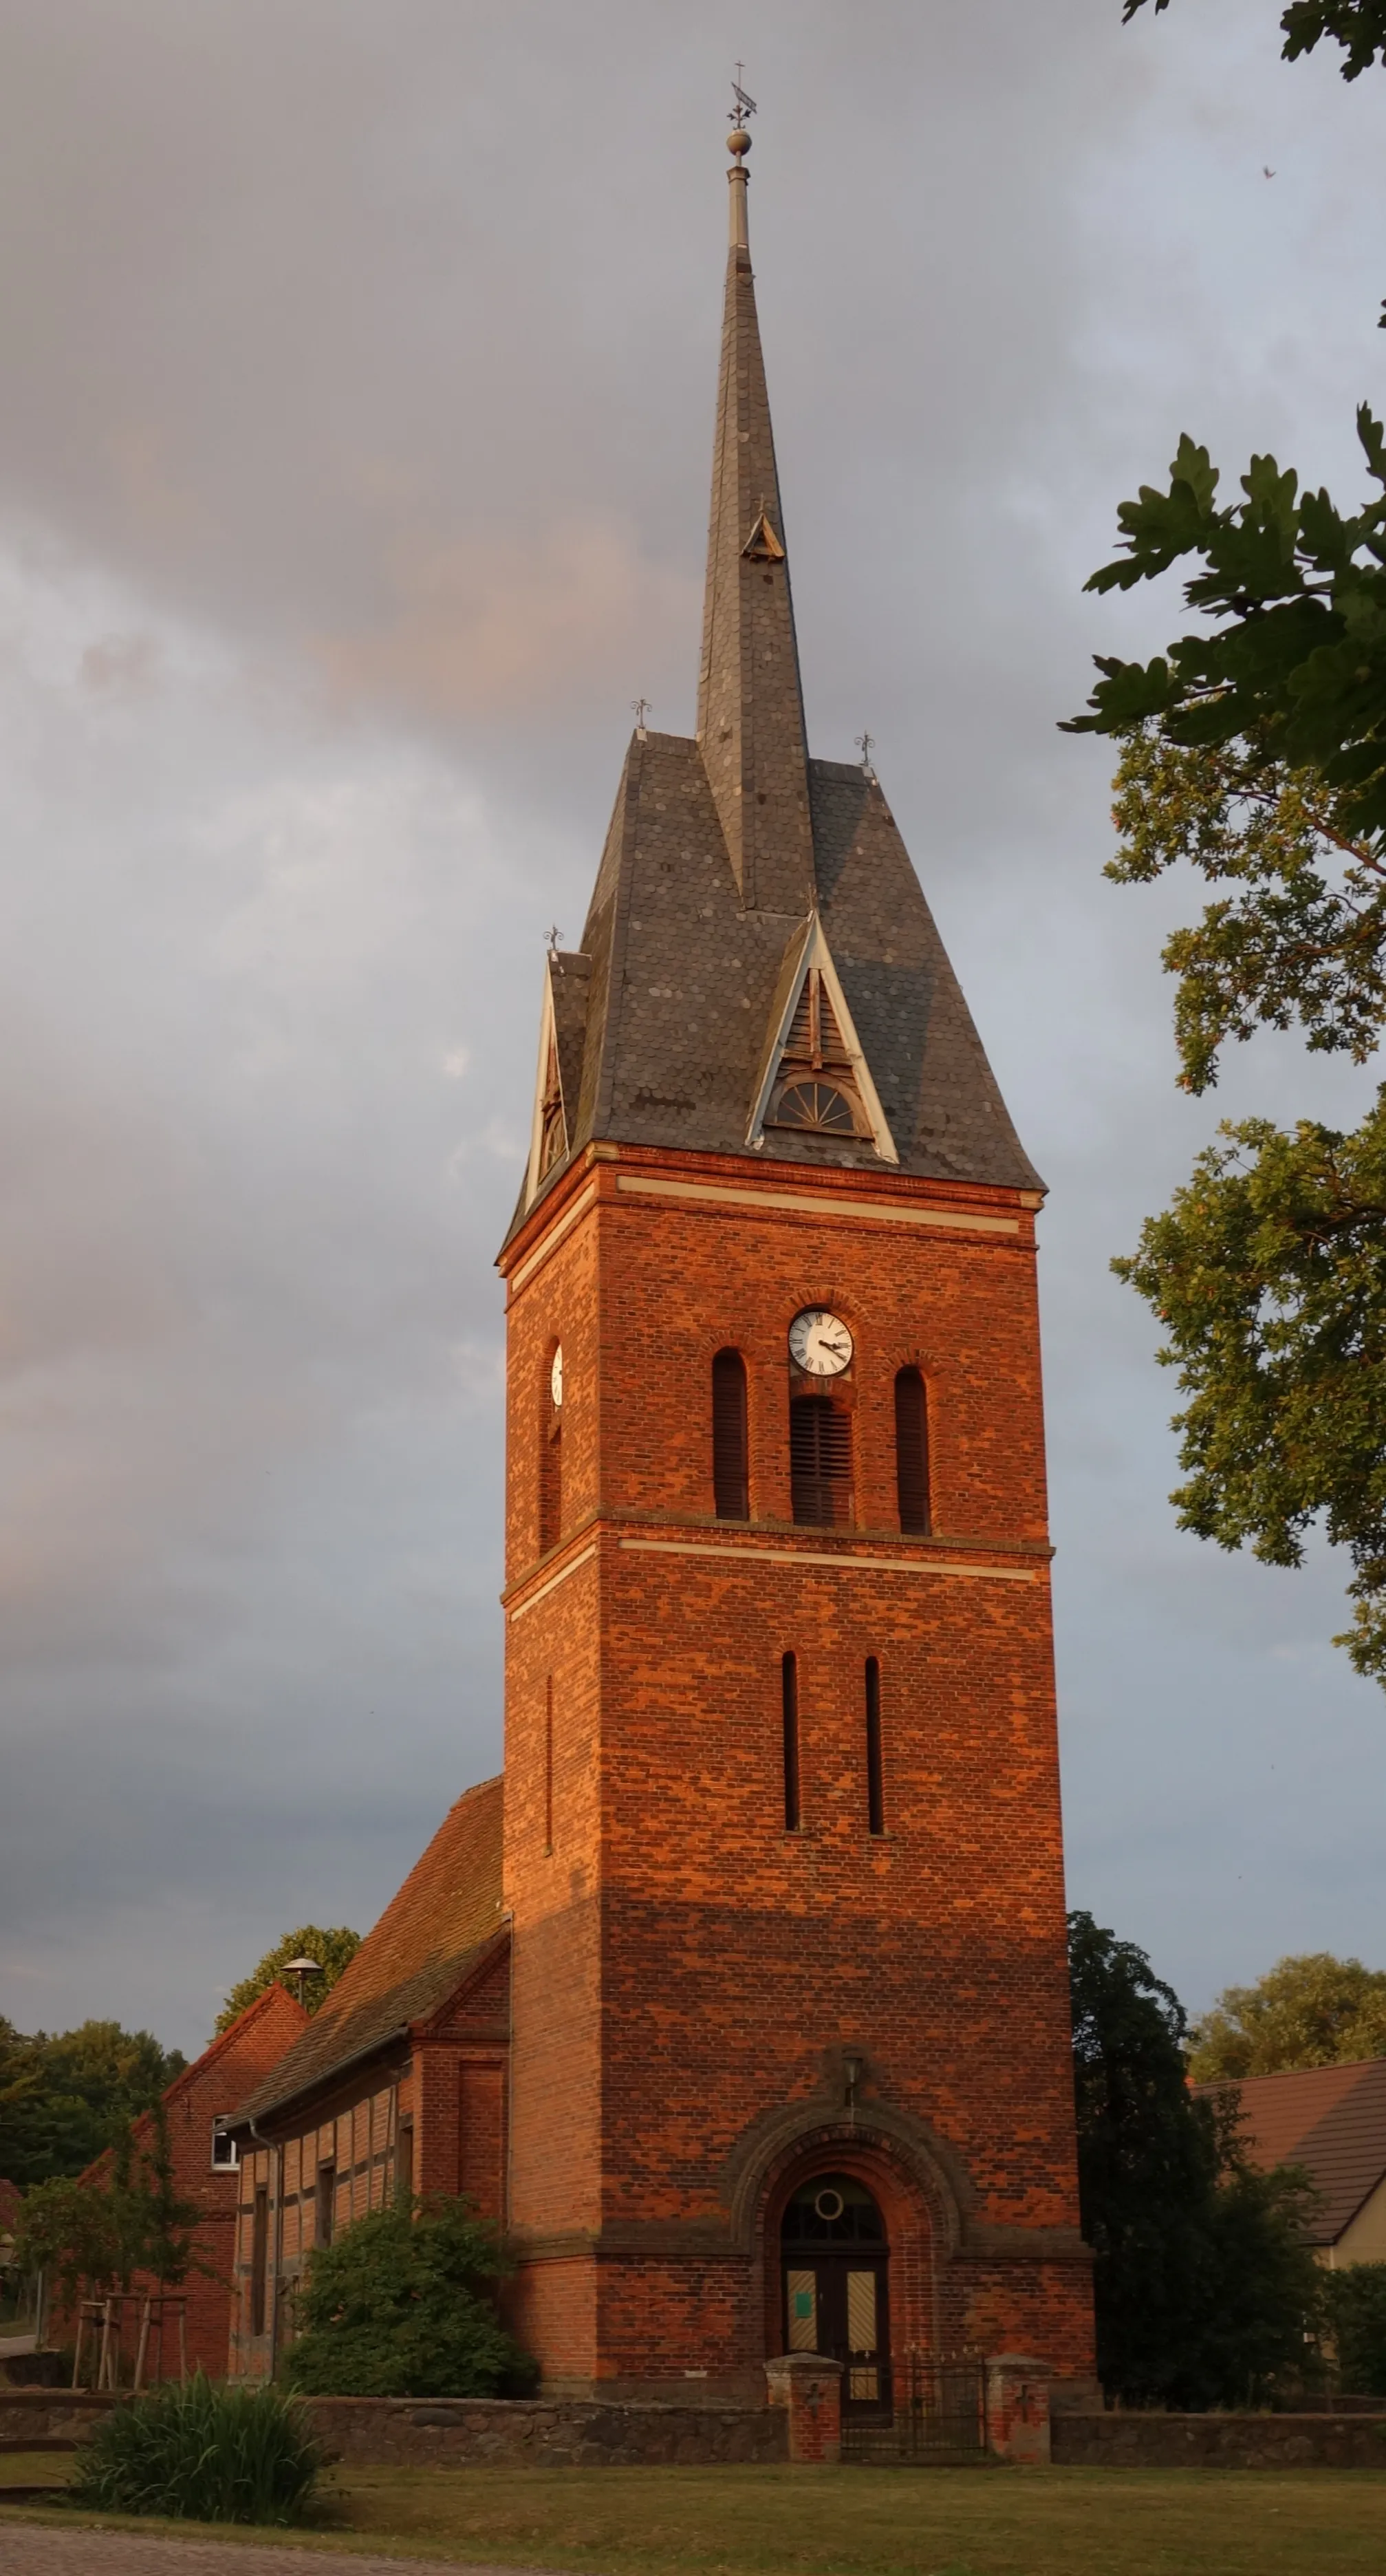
<point>685,1970</point>
<point>239,2060</point>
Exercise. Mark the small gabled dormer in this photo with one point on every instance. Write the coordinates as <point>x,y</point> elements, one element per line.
<point>814,1077</point>
<point>562,1030</point>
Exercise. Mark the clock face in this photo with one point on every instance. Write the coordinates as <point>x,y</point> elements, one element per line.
<point>820,1342</point>
<point>556,1376</point>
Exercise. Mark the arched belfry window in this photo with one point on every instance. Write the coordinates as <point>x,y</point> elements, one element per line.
<point>912,1450</point>
<point>551,1458</point>
<point>730,1466</point>
<point>820,1461</point>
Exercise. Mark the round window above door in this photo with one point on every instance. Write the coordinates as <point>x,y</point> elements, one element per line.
<point>832,2209</point>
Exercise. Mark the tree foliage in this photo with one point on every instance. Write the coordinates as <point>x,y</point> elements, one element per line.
<point>91,2237</point>
<point>1359,26</point>
<point>1268,1274</point>
<point>1355,2314</point>
<point>1254,751</point>
<point>1313,2010</point>
<point>403,2304</point>
<point>1203,2282</point>
<point>334,1950</point>
<point>66,2096</point>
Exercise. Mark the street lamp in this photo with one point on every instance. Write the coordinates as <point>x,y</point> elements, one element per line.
<point>301,1968</point>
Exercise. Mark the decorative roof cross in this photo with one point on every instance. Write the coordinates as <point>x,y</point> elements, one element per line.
<point>866,744</point>
<point>745,106</point>
<point>640,708</point>
<point>555,940</point>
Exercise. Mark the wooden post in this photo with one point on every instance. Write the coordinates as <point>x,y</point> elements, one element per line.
<point>105,2352</point>
<point>77,2346</point>
<point>143,2345</point>
<point>182,2341</point>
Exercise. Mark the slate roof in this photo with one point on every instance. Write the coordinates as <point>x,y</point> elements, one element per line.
<point>1332,2120</point>
<point>680,984</point>
<point>721,848</point>
<point>445,1915</point>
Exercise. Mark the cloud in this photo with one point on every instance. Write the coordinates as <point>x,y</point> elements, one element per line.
<point>360,374</point>
<point>540,616</point>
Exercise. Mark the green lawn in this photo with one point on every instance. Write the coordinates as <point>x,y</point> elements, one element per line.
<point>855,2522</point>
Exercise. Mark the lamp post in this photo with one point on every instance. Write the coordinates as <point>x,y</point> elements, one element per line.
<point>301,1968</point>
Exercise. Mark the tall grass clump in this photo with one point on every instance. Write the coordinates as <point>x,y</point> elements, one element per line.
<point>202,2453</point>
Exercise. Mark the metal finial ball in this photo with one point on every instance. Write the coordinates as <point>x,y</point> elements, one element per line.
<point>738,141</point>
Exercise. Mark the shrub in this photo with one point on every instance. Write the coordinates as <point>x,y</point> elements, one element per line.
<point>403,2305</point>
<point>202,2453</point>
<point>1355,2308</point>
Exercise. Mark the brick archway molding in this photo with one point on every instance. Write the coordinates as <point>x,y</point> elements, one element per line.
<point>924,2192</point>
<point>791,2139</point>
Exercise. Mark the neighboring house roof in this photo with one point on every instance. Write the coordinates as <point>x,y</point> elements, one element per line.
<point>1331,2120</point>
<point>274,2003</point>
<point>445,1915</point>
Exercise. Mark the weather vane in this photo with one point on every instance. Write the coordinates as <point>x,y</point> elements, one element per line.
<point>555,940</point>
<point>640,708</point>
<point>866,744</point>
<point>744,106</point>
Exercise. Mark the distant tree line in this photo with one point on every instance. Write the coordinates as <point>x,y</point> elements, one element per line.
<point>65,2096</point>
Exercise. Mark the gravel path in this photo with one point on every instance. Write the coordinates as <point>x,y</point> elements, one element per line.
<point>34,2549</point>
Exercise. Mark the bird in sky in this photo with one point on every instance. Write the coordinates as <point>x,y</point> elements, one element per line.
<point>1266,172</point>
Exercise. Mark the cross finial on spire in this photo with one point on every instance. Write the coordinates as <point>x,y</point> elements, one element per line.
<point>555,940</point>
<point>743,106</point>
<point>640,708</point>
<point>866,744</point>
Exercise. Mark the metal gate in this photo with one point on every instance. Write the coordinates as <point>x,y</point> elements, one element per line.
<point>937,2415</point>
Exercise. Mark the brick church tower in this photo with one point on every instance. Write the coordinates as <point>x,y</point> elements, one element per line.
<point>790,2035</point>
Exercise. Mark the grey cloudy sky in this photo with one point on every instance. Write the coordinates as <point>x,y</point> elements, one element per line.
<point>360,360</point>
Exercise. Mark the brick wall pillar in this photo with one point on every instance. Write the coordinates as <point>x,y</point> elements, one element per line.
<point>1018,2409</point>
<point>811,2389</point>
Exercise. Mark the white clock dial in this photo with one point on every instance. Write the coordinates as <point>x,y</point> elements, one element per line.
<point>556,1376</point>
<point>820,1342</point>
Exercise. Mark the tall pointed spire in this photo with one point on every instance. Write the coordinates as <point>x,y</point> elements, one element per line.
<point>750,704</point>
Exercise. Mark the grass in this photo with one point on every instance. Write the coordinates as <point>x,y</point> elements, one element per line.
<point>850,2522</point>
<point>34,2469</point>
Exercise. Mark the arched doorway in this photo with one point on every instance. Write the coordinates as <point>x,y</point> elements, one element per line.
<point>835,2263</point>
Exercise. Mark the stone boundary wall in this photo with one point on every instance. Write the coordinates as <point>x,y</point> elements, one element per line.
<point>466,2432</point>
<point>463,2432</point>
<point>50,2414</point>
<point>1219,2441</point>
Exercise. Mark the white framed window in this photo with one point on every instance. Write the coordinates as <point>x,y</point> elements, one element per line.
<point>225,2153</point>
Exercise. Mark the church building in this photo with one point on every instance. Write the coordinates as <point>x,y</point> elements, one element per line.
<point>742,2001</point>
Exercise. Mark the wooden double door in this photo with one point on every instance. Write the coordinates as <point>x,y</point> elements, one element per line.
<point>838,2303</point>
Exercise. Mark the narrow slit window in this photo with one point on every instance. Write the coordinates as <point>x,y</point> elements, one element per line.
<point>551,1476</point>
<point>259,2258</point>
<point>875,1774</point>
<point>730,1477</point>
<point>548,1764</point>
<point>820,1461</point>
<point>912,1450</point>
<point>404,2161</point>
<point>325,2213</point>
<point>789,1690</point>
